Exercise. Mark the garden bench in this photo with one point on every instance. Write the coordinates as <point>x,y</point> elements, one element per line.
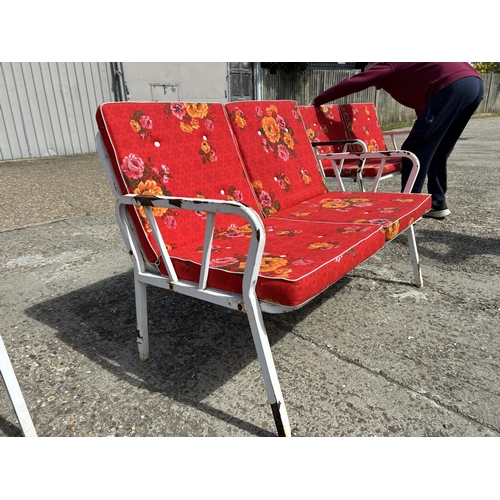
<point>227,204</point>
<point>354,127</point>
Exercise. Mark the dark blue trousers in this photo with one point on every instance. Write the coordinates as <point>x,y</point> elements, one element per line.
<point>436,131</point>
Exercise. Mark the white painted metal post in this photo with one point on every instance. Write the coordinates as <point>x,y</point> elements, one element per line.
<point>14,392</point>
<point>412,244</point>
<point>141,310</point>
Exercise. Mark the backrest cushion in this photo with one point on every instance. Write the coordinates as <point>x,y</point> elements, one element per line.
<point>362,123</point>
<point>276,152</point>
<point>175,149</point>
<point>324,124</point>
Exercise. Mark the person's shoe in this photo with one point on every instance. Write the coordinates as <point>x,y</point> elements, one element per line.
<point>438,211</point>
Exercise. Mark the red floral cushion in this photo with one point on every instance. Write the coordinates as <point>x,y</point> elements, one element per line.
<point>325,124</point>
<point>276,152</point>
<point>361,122</point>
<point>300,260</point>
<point>174,149</point>
<point>188,150</point>
<point>393,211</point>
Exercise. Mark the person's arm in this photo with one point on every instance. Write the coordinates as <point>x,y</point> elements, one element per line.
<point>361,81</point>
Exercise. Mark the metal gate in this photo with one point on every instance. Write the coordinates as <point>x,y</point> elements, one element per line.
<point>47,109</point>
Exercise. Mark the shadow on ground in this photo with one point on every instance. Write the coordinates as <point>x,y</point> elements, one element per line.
<point>460,247</point>
<point>195,347</point>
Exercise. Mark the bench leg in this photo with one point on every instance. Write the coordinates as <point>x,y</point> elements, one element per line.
<point>361,184</point>
<point>266,361</point>
<point>141,308</point>
<point>15,394</point>
<point>412,244</point>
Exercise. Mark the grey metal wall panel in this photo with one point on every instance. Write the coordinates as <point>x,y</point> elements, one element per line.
<point>47,109</point>
<point>14,139</point>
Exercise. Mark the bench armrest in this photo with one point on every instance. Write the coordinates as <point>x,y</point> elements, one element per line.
<point>338,159</point>
<point>212,207</point>
<point>392,133</point>
<point>340,142</point>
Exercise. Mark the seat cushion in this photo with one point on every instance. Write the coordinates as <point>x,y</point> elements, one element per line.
<point>174,149</point>
<point>300,260</point>
<point>276,152</point>
<point>393,211</point>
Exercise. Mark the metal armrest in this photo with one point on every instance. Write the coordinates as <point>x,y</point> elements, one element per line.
<point>212,207</point>
<point>383,156</point>
<point>392,133</point>
<point>340,142</point>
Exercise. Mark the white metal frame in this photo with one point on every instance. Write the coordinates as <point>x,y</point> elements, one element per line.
<point>337,160</point>
<point>337,168</point>
<point>392,133</point>
<point>14,392</point>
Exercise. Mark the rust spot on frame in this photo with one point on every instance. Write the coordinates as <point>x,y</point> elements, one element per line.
<point>176,203</point>
<point>275,407</point>
<point>146,201</point>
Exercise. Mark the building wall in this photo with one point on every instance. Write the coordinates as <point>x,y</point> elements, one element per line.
<point>176,81</point>
<point>47,109</point>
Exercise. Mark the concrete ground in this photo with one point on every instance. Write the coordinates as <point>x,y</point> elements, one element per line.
<point>372,356</point>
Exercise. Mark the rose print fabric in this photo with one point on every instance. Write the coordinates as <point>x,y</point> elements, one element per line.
<point>325,124</point>
<point>175,149</point>
<point>362,123</point>
<point>300,260</point>
<point>394,212</point>
<point>276,152</point>
<point>313,237</point>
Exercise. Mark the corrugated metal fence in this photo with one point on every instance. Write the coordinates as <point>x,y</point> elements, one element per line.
<point>47,109</point>
<point>304,87</point>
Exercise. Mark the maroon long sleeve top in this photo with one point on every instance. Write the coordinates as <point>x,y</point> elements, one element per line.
<point>411,84</point>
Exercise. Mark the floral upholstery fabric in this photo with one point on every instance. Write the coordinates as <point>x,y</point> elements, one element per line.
<point>361,122</point>
<point>301,258</point>
<point>394,212</point>
<point>276,152</point>
<point>325,124</point>
<point>313,237</point>
<point>174,149</point>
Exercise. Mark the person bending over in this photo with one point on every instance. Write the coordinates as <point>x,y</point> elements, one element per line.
<point>444,96</point>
